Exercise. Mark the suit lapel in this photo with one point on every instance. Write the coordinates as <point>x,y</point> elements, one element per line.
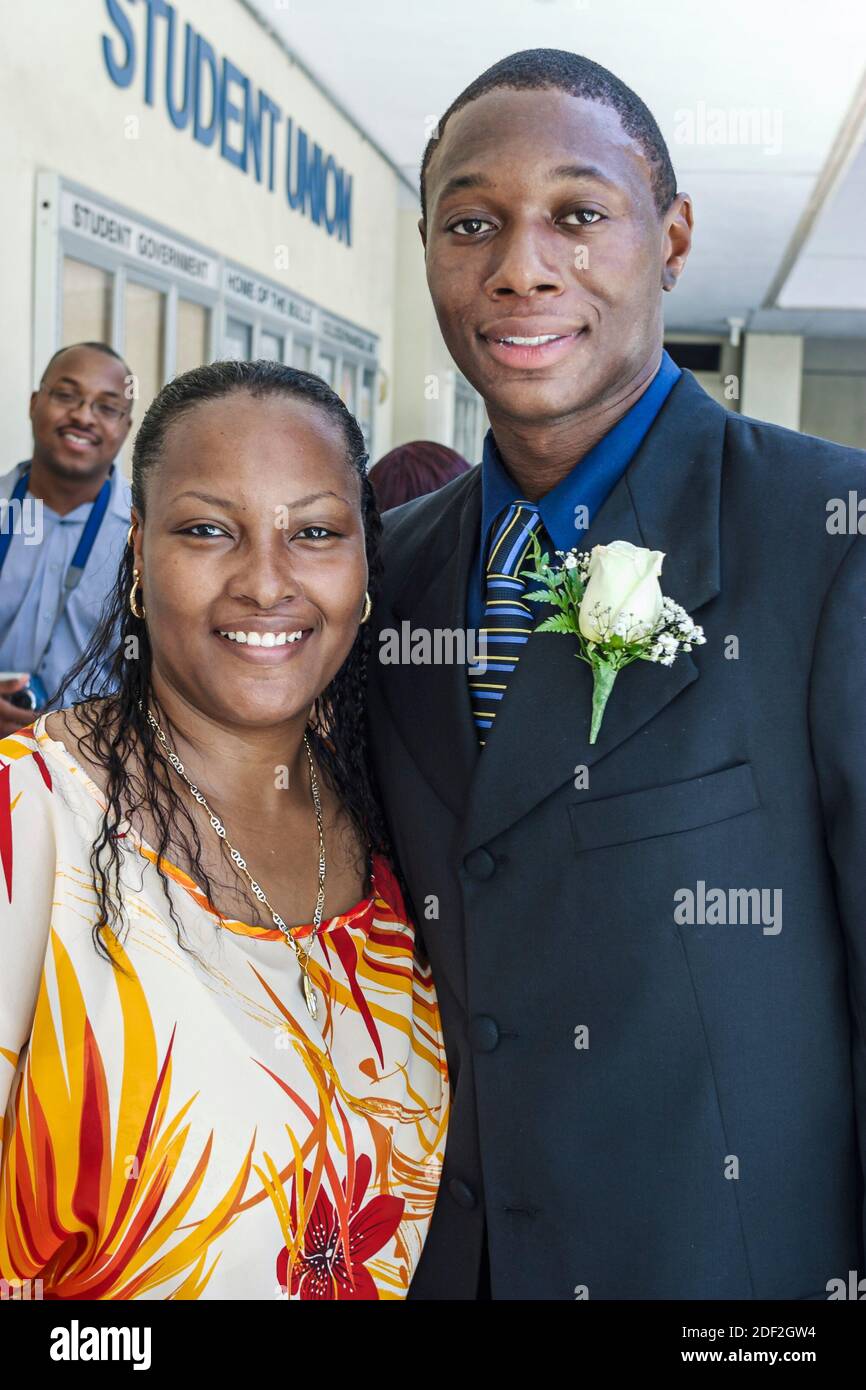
<point>430,703</point>
<point>668,500</point>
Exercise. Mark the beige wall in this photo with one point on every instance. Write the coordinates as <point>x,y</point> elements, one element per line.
<point>423,370</point>
<point>816,385</point>
<point>772,378</point>
<point>834,390</point>
<point>68,117</point>
<point>724,385</point>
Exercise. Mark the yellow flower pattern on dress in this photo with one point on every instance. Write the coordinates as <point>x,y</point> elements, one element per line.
<point>178,1127</point>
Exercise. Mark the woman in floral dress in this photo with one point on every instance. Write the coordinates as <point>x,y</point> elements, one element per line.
<point>221,1061</point>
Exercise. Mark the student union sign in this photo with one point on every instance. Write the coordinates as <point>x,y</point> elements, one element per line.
<point>219,104</point>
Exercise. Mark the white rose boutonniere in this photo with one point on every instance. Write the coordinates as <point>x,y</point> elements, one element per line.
<point>622,590</point>
<point>612,601</point>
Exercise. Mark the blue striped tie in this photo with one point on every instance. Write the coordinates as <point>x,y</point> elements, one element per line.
<point>508,620</point>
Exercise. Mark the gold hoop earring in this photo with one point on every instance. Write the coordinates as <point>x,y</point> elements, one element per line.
<point>136,580</point>
<point>368,608</point>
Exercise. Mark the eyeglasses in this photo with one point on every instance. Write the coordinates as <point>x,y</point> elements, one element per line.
<point>71,400</point>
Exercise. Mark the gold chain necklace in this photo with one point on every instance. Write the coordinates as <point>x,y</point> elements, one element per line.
<point>302,954</point>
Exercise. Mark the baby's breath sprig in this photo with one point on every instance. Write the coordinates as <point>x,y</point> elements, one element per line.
<point>620,637</point>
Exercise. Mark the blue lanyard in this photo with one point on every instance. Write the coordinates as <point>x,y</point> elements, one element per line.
<point>88,535</point>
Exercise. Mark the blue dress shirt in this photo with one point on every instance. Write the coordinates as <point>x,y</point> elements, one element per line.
<point>587,485</point>
<point>33,576</point>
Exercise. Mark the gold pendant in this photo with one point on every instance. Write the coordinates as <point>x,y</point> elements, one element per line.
<point>309,995</point>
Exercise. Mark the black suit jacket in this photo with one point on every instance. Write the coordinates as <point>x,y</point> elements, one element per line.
<point>700,1140</point>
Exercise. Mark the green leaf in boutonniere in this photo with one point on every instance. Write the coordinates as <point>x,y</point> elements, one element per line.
<point>559,622</point>
<point>604,674</point>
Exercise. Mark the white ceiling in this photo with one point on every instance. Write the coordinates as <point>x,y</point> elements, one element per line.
<point>832,268</point>
<point>395,65</point>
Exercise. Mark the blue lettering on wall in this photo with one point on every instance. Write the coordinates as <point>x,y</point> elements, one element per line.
<point>156,9</point>
<point>331,213</point>
<point>121,74</point>
<point>222,100</point>
<point>272,111</point>
<point>231,112</point>
<point>308,175</point>
<point>298,158</point>
<point>206,93</point>
<point>179,115</point>
<point>314,185</point>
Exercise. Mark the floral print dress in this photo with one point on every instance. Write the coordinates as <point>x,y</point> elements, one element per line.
<point>179,1127</point>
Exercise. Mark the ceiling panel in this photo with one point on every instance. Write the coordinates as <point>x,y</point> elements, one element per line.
<point>749,94</point>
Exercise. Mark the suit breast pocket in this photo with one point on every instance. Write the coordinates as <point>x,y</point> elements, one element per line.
<point>656,811</point>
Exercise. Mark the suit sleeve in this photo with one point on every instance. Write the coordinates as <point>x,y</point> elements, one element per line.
<point>27,874</point>
<point>837,715</point>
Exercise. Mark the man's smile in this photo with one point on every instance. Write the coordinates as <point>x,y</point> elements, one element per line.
<point>77,440</point>
<point>517,342</point>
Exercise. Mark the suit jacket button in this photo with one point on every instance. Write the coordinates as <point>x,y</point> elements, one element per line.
<point>483,1033</point>
<point>462,1194</point>
<point>480,864</point>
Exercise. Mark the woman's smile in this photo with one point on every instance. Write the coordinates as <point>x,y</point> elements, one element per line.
<point>265,646</point>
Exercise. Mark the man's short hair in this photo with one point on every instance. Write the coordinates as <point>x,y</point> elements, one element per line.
<point>97,347</point>
<point>540,69</point>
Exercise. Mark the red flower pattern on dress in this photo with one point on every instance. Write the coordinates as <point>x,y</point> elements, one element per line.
<point>320,1270</point>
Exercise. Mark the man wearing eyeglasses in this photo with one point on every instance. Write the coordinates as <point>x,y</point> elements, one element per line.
<point>64,516</point>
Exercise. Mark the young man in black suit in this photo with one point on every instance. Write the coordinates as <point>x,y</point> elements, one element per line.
<point>651,1099</point>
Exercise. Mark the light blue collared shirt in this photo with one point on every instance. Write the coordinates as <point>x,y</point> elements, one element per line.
<point>41,550</point>
<point>587,485</point>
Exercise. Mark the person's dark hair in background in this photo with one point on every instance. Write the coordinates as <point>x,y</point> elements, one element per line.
<point>93,347</point>
<point>413,470</point>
